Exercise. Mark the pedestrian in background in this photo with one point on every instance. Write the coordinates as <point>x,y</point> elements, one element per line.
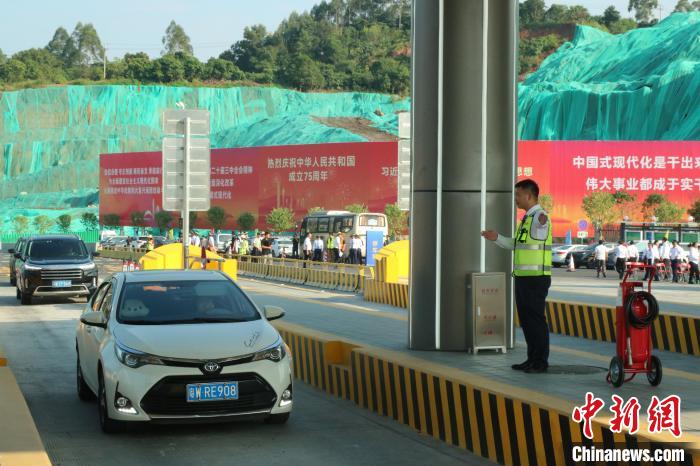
<point>318,249</point>
<point>601,258</point>
<point>693,258</point>
<point>308,247</point>
<point>633,252</point>
<point>665,253</point>
<point>295,246</point>
<point>676,256</point>
<point>621,261</point>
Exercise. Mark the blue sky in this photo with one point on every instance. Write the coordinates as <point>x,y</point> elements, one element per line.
<point>131,25</point>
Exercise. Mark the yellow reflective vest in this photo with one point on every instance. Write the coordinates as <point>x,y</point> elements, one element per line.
<point>533,257</point>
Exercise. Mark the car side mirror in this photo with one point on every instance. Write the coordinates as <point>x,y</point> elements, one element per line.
<point>11,251</point>
<point>273,312</point>
<point>18,255</point>
<point>95,254</point>
<point>94,319</point>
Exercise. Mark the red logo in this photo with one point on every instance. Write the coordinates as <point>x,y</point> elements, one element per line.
<point>665,415</point>
<point>587,412</point>
<point>626,415</point>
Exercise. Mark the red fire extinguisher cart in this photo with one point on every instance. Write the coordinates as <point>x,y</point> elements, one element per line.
<point>635,313</point>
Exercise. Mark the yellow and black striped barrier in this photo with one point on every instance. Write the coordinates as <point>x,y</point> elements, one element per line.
<point>393,294</point>
<point>504,423</point>
<point>672,332</point>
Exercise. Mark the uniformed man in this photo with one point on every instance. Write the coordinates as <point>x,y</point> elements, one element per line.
<point>532,272</point>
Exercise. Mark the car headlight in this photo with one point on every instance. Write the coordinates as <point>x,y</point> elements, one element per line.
<point>88,267</point>
<point>274,353</point>
<point>134,358</point>
<point>31,268</point>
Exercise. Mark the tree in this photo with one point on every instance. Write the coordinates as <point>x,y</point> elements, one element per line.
<point>254,53</point>
<point>611,15</point>
<point>88,44</point>
<point>668,212</point>
<point>650,204</point>
<point>643,9</point>
<point>217,217</point>
<point>313,210</point>
<point>280,219</point>
<point>111,220</point>
<point>3,57</point>
<point>532,11</point>
<point>694,210</point>
<point>218,69</point>
<point>167,69</point>
<point>598,206</point>
<point>64,222</point>
<point>577,14</point>
<point>138,66</point>
<point>246,221</point>
<point>13,71</point>
<point>176,40</point>
<point>64,48</point>
<point>356,208</point>
<point>683,6</point>
<point>20,224</point>
<point>624,202</point>
<point>137,219</point>
<point>191,66</point>
<point>163,219</point>
<point>193,219</point>
<point>547,202</point>
<point>397,219</point>
<point>42,224</point>
<point>89,221</point>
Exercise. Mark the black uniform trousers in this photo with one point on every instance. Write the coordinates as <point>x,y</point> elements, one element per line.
<point>530,296</point>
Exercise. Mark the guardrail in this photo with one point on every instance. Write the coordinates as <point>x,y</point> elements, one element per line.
<point>327,275</point>
<point>122,253</point>
<point>494,420</point>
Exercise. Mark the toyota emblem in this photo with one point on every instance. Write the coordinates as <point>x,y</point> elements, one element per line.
<point>211,367</point>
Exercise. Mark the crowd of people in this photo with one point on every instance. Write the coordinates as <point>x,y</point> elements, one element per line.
<point>672,261</point>
<point>336,248</point>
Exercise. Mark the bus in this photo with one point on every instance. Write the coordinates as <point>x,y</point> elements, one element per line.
<point>324,223</point>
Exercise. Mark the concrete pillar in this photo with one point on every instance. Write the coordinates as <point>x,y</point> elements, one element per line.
<point>464,145</point>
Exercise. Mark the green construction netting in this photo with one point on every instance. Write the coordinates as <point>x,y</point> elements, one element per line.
<point>51,138</point>
<point>641,85</point>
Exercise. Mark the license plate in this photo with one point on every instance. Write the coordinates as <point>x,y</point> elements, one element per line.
<point>61,283</point>
<point>215,391</point>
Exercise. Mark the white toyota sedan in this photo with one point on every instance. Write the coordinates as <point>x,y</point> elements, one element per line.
<point>181,346</point>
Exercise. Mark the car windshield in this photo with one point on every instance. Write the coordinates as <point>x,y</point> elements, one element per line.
<point>57,249</point>
<point>184,302</point>
<point>225,237</point>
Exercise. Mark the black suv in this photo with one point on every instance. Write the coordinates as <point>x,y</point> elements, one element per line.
<point>54,265</point>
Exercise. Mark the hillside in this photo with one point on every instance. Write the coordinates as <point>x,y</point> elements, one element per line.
<point>51,138</point>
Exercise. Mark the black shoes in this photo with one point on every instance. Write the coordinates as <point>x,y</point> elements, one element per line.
<point>536,368</point>
<point>522,366</point>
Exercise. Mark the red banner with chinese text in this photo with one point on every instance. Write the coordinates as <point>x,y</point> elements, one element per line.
<point>258,179</point>
<point>570,170</point>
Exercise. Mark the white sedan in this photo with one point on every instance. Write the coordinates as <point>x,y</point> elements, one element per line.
<point>179,346</point>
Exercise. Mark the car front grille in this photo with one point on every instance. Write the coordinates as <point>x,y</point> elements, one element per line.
<point>61,274</point>
<point>168,397</point>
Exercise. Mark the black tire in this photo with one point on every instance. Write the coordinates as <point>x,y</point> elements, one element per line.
<point>654,377</point>
<point>107,424</point>
<point>617,372</point>
<point>84,392</point>
<point>277,418</point>
<point>26,298</point>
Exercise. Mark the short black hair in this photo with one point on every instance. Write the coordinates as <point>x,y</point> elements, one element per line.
<point>600,241</point>
<point>529,185</point>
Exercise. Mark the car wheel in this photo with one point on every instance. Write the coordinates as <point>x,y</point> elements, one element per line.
<point>26,298</point>
<point>277,418</point>
<point>108,425</point>
<point>84,392</point>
